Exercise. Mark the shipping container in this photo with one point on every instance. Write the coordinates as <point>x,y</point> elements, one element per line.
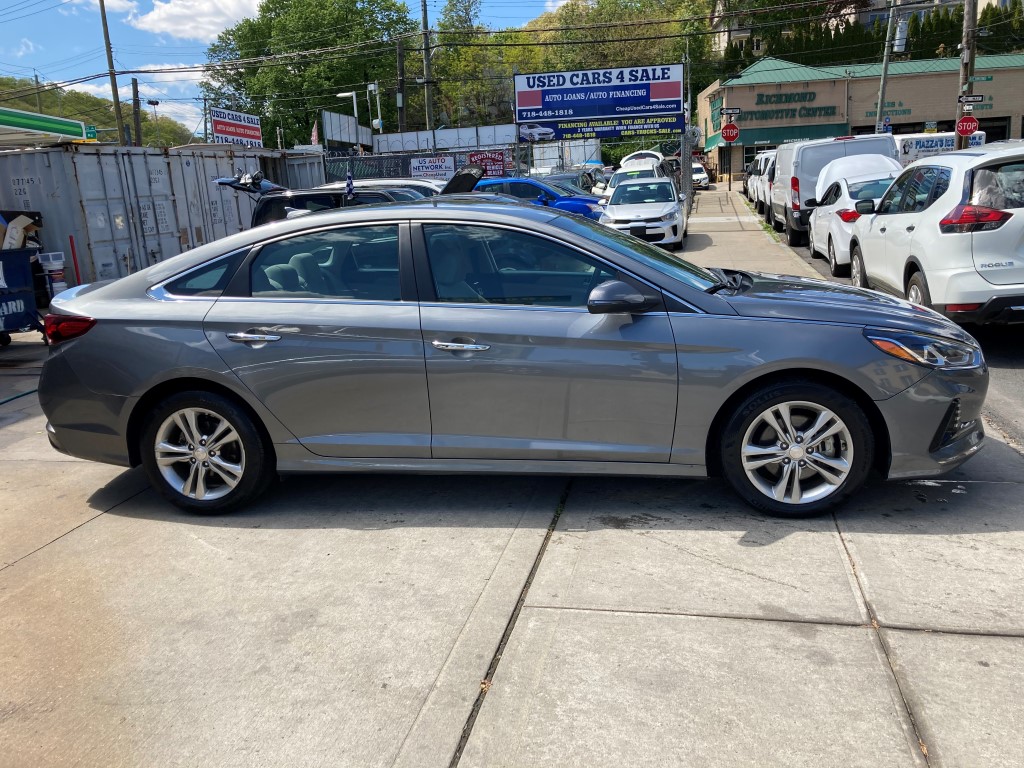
<point>115,210</point>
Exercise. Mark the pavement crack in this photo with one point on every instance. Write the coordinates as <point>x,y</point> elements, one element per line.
<point>485,684</point>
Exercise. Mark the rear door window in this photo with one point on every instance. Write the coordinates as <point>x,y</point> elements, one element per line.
<point>918,192</point>
<point>999,186</point>
<point>891,199</point>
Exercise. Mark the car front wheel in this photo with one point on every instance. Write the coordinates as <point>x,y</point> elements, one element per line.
<point>202,452</point>
<point>797,449</point>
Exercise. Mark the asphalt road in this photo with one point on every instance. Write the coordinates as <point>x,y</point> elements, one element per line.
<point>1005,355</point>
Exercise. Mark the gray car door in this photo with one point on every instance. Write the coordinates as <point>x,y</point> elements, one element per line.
<point>518,368</point>
<point>320,327</point>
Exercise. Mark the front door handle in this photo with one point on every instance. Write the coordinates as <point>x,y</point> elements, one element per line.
<point>881,229</point>
<point>248,338</point>
<point>911,228</point>
<point>452,346</point>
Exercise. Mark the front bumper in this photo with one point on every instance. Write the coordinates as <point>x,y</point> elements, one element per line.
<point>704,183</point>
<point>935,425</point>
<point>661,233</point>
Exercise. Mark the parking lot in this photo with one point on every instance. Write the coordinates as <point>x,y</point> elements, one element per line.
<point>508,621</point>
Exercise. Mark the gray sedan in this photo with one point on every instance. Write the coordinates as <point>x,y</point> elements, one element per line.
<point>457,335</point>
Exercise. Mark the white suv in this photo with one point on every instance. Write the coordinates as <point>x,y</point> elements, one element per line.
<point>949,234</point>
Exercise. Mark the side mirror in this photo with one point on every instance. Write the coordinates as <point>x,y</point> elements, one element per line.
<point>811,203</point>
<point>865,206</point>
<point>603,201</point>
<point>614,297</point>
<point>541,200</point>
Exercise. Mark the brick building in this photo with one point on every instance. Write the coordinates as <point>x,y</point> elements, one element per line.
<point>783,102</point>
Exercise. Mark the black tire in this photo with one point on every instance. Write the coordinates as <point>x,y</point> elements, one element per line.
<point>759,207</point>
<point>777,225</point>
<point>794,237</point>
<point>917,281</point>
<point>804,397</point>
<point>5,339</point>
<point>857,274</point>
<point>834,267</point>
<point>250,451</point>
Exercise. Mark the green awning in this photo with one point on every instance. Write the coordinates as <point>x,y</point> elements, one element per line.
<point>782,134</point>
<point>17,127</point>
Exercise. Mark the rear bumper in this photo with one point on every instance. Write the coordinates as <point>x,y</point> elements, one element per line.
<point>1000,309</point>
<point>935,425</point>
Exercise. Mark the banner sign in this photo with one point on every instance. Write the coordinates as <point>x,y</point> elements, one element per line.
<point>442,167</point>
<point>493,162</point>
<point>636,127</point>
<point>235,128</point>
<point>599,93</point>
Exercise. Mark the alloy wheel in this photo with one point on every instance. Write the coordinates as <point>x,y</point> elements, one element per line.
<point>797,452</point>
<point>199,453</point>
<point>914,294</point>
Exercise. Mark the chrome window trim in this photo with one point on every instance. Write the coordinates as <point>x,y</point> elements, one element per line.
<point>159,292</point>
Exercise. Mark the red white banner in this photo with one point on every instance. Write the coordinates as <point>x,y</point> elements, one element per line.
<point>235,128</point>
<point>493,162</point>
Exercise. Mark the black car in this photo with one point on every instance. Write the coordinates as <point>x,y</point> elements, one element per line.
<point>277,205</point>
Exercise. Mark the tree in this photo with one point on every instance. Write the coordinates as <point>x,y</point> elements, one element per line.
<point>354,41</point>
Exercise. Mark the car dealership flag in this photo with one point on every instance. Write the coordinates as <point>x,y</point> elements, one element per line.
<point>350,186</point>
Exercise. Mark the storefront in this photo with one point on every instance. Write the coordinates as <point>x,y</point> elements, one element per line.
<point>783,102</point>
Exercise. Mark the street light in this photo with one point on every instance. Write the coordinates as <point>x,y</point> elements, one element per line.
<point>153,103</point>
<point>355,110</point>
<point>374,87</point>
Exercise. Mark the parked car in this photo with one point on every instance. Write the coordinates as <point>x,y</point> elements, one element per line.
<point>948,234</point>
<point>758,183</point>
<point>426,187</point>
<point>638,169</point>
<point>539,193</point>
<point>279,205</point>
<point>701,180</point>
<point>796,171</point>
<point>584,180</point>
<point>650,209</point>
<point>840,185</point>
<point>388,339</point>
<point>746,179</point>
<point>535,132</point>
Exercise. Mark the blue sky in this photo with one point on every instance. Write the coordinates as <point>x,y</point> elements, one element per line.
<point>63,39</point>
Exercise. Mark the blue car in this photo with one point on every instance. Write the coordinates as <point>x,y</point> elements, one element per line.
<point>543,194</point>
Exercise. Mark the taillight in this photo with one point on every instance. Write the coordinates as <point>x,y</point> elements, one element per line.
<point>973,218</point>
<point>61,328</point>
<point>794,192</point>
<point>848,215</point>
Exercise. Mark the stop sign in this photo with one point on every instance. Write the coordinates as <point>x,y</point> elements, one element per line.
<point>966,125</point>
<point>730,132</point>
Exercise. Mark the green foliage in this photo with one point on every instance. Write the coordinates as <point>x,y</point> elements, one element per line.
<point>290,94</point>
<point>93,110</point>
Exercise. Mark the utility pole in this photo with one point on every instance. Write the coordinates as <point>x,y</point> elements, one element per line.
<point>206,122</point>
<point>967,52</point>
<point>136,112</point>
<point>400,95</point>
<point>428,98</point>
<point>39,103</point>
<point>118,118</point>
<point>890,32</point>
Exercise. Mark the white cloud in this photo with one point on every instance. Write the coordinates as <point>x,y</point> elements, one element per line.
<point>193,19</point>
<point>189,113</point>
<point>554,5</point>
<point>25,48</point>
<point>112,6</point>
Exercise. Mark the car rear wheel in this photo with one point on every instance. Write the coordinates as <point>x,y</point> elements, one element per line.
<point>202,452</point>
<point>857,276</point>
<point>917,290</point>
<point>834,267</point>
<point>797,449</point>
<point>794,237</point>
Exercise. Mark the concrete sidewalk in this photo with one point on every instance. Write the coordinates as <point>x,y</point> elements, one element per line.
<point>725,232</point>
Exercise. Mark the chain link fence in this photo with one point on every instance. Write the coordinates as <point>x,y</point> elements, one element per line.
<point>400,166</point>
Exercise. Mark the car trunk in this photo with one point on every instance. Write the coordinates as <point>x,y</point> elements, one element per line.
<point>998,246</point>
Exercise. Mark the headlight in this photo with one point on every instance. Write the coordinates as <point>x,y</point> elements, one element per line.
<point>669,216</point>
<point>605,219</point>
<point>922,349</point>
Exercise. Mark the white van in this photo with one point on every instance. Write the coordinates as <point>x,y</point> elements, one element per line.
<point>797,166</point>
<point>757,182</point>
<point>914,146</point>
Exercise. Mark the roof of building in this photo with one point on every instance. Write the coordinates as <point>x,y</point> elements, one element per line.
<point>771,70</point>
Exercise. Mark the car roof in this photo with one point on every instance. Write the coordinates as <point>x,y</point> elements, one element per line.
<point>644,182</point>
<point>966,158</point>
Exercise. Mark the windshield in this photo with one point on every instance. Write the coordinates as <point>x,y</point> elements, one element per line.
<point>871,189</point>
<point>403,195</point>
<point>635,248</point>
<point>638,194</point>
<point>567,187</point>
<point>698,169</point>
<point>620,176</point>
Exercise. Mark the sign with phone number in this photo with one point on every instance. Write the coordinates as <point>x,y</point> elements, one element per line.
<point>621,128</point>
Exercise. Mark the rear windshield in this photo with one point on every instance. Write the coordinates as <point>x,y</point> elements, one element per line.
<point>636,194</point>
<point>621,176</point>
<point>869,190</point>
<point>999,186</point>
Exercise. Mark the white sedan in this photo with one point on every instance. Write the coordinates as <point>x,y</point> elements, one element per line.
<point>649,209</point>
<point>535,132</point>
<point>831,223</point>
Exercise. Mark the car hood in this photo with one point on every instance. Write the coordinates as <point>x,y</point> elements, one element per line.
<point>800,298</point>
<point>641,210</point>
<point>586,199</point>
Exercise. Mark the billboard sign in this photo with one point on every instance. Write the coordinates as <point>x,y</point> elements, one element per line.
<point>618,93</point>
<point>631,127</point>
<point>441,167</point>
<point>493,162</point>
<point>235,128</point>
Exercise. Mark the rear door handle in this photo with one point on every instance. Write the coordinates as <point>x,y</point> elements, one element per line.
<point>248,338</point>
<point>911,228</point>
<point>451,346</point>
<point>881,229</point>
